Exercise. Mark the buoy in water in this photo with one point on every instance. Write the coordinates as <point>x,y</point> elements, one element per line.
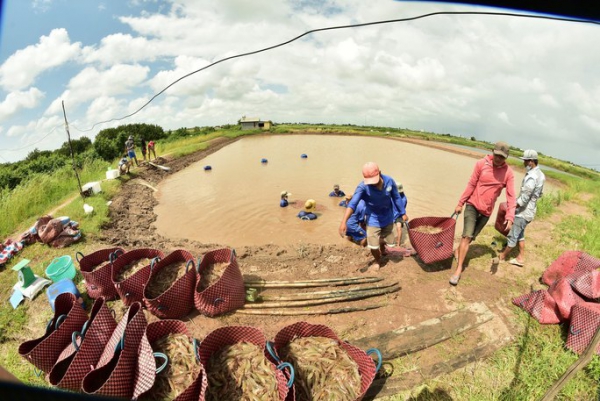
<point>206,168</point>
<point>304,156</point>
<point>263,161</point>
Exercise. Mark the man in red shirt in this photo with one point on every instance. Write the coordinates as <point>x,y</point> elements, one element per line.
<point>490,175</point>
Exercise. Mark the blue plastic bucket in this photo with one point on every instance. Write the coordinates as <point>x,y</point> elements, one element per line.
<point>61,267</point>
<point>62,286</point>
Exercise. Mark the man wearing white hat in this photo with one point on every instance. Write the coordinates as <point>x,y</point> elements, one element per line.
<point>532,189</point>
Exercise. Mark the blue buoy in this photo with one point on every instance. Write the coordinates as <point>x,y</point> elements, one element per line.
<point>206,168</point>
<point>264,161</point>
<point>304,156</point>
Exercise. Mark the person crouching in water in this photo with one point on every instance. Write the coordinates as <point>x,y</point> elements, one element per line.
<point>356,225</point>
<point>309,207</point>
<point>284,199</point>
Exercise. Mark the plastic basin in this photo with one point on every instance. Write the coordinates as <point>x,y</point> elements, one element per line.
<point>61,267</point>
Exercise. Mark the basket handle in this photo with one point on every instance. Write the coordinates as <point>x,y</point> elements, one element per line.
<point>77,256</point>
<point>288,365</point>
<point>164,365</point>
<point>379,357</point>
<point>187,265</point>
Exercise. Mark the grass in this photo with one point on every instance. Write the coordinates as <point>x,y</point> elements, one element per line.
<point>523,370</point>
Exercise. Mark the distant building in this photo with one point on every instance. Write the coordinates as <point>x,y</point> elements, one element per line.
<point>255,123</point>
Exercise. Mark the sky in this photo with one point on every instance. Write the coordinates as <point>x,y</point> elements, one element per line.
<point>533,83</point>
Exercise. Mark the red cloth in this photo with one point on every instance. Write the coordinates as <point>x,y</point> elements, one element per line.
<point>485,185</point>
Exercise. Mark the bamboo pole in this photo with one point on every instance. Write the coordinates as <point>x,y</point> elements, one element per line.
<point>338,298</point>
<point>579,364</point>
<point>279,312</point>
<point>311,283</point>
<point>320,294</point>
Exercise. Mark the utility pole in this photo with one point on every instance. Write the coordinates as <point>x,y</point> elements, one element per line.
<point>71,149</point>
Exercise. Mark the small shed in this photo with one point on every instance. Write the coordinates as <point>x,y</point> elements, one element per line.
<point>254,123</point>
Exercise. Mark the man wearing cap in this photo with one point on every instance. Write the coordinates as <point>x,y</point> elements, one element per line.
<point>337,192</point>
<point>284,198</point>
<point>379,192</point>
<point>532,189</point>
<point>130,148</point>
<point>490,175</point>
<point>309,207</point>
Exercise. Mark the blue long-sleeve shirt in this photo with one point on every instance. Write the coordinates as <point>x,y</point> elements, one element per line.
<point>404,202</point>
<point>358,216</point>
<point>379,202</point>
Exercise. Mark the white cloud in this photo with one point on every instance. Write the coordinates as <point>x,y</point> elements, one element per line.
<point>22,68</point>
<point>19,100</point>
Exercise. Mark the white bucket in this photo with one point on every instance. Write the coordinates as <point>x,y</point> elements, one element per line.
<point>112,174</point>
<point>94,185</point>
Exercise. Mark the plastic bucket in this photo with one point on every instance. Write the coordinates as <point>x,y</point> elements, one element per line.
<point>62,286</point>
<point>61,267</point>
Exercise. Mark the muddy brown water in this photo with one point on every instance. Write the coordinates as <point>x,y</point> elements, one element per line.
<point>237,202</point>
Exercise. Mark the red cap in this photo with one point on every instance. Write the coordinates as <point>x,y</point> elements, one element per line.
<point>371,173</point>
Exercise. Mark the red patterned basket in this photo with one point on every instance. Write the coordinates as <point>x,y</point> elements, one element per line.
<point>366,366</point>
<point>585,322</point>
<point>230,335</point>
<point>225,295</point>
<point>177,301</point>
<point>436,247</point>
<point>131,289</point>
<point>540,305</point>
<point>98,280</point>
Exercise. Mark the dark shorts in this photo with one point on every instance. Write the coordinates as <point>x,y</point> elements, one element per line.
<point>474,222</point>
<point>131,154</point>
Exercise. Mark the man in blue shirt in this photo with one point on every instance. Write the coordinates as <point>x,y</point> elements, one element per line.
<point>309,207</point>
<point>355,226</point>
<point>337,192</point>
<point>378,191</point>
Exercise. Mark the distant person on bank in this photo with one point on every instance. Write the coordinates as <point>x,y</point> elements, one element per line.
<point>143,146</point>
<point>379,192</point>
<point>308,213</point>
<point>337,192</point>
<point>357,223</point>
<point>284,199</point>
<point>130,149</point>
<point>124,165</point>
<point>151,149</point>
<point>490,176</point>
<point>532,189</point>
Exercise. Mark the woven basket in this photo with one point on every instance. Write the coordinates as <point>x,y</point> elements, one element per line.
<point>433,248</point>
<point>131,289</point>
<point>98,280</point>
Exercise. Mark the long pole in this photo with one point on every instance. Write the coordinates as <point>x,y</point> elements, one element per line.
<point>71,149</point>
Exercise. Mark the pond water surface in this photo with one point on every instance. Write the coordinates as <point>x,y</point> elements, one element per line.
<point>237,202</point>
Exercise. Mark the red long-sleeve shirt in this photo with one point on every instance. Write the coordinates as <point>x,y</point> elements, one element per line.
<point>485,185</point>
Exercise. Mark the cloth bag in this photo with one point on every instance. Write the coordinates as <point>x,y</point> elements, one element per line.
<point>69,316</point>
<point>78,358</point>
<point>566,264</point>
<point>131,289</point>
<point>564,296</point>
<point>230,335</point>
<point>98,280</point>
<point>432,247</point>
<point>226,294</point>
<point>540,305</point>
<point>126,367</point>
<point>585,321</point>
<point>178,300</point>
<point>156,330</point>
<point>367,368</point>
